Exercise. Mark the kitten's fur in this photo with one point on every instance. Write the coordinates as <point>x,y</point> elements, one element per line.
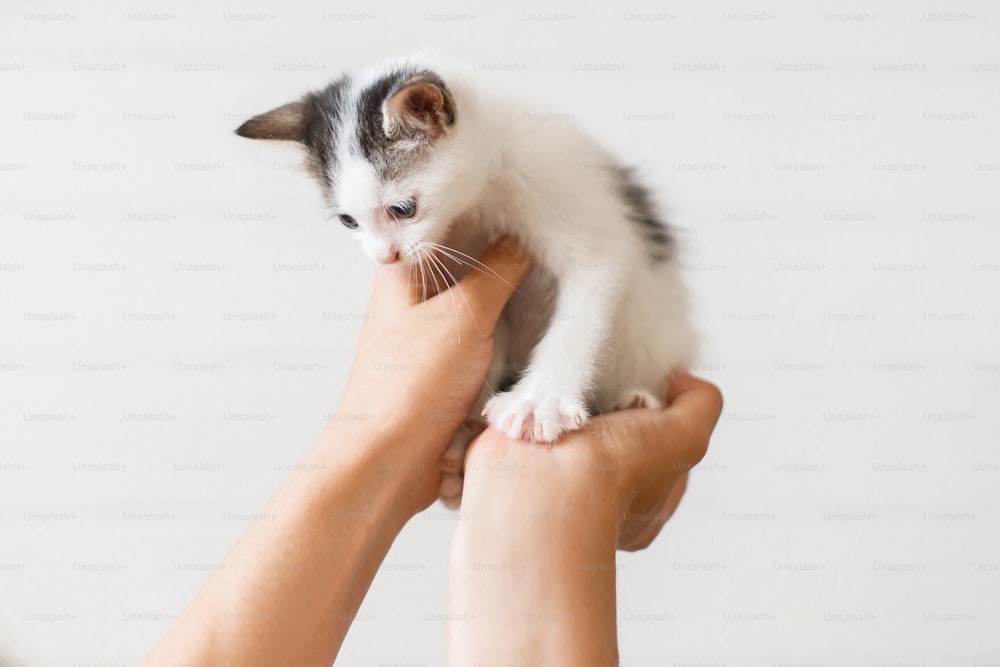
<point>602,317</point>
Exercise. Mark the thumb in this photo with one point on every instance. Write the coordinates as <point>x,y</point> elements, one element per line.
<point>394,284</point>
<point>683,428</point>
<point>487,287</point>
<point>697,398</point>
<point>696,403</point>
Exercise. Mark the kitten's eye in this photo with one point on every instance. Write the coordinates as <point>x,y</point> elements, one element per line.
<point>348,221</point>
<point>404,209</point>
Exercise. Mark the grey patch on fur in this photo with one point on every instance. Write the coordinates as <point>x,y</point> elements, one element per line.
<point>328,109</point>
<point>371,138</point>
<point>642,212</point>
<point>378,149</point>
<point>326,113</point>
<point>507,383</point>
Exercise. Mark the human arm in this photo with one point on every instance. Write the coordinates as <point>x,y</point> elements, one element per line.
<point>288,590</point>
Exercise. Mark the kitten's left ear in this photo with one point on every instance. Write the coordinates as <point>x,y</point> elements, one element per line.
<point>420,107</point>
<point>286,123</point>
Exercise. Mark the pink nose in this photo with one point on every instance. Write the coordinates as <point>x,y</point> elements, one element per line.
<point>390,257</point>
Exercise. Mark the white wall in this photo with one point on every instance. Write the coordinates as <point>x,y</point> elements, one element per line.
<point>835,168</point>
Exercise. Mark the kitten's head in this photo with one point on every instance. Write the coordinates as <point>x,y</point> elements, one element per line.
<point>393,157</point>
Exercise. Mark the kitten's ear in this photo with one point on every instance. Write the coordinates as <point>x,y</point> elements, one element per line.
<point>286,123</point>
<point>421,107</point>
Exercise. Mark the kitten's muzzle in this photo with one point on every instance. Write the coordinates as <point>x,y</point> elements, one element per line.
<point>390,257</point>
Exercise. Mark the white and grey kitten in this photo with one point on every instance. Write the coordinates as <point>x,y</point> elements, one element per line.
<point>427,163</point>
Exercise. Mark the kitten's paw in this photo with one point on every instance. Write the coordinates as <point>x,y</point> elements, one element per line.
<point>450,491</point>
<point>527,415</point>
<point>637,398</point>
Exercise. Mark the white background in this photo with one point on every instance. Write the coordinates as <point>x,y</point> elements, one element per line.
<point>176,315</point>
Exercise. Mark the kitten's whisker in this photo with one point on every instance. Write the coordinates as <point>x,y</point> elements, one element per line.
<point>454,304</point>
<point>430,270</point>
<point>477,264</point>
<point>471,261</point>
<point>454,282</point>
<point>409,278</point>
<point>458,260</point>
<point>445,270</point>
<point>450,254</point>
<point>423,278</point>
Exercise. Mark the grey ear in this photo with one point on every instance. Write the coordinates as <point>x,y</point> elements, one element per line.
<point>286,123</point>
<point>420,106</point>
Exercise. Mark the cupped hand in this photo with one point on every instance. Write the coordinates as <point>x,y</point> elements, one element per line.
<point>634,462</point>
<point>420,364</point>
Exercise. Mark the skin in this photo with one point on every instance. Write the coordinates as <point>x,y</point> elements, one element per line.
<point>532,568</point>
<point>288,590</point>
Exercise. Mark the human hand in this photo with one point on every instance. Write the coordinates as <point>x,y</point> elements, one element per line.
<point>634,462</point>
<point>420,365</point>
<point>659,448</point>
<point>541,524</point>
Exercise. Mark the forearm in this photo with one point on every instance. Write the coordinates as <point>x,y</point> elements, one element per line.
<point>287,592</point>
<point>532,572</point>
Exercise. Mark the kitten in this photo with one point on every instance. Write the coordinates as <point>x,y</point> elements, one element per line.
<point>427,163</point>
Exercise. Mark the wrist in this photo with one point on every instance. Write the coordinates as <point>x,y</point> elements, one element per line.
<point>375,457</point>
<point>535,541</point>
<point>536,491</point>
<point>405,427</point>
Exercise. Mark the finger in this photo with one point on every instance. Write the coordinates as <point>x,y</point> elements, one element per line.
<point>674,499</point>
<point>681,431</point>
<point>638,535</point>
<point>397,283</point>
<point>695,402</point>
<point>488,287</point>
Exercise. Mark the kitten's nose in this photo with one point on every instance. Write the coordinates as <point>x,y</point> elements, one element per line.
<point>388,257</point>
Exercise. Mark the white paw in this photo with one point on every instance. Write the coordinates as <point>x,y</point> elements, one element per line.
<point>637,398</point>
<point>528,415</point>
